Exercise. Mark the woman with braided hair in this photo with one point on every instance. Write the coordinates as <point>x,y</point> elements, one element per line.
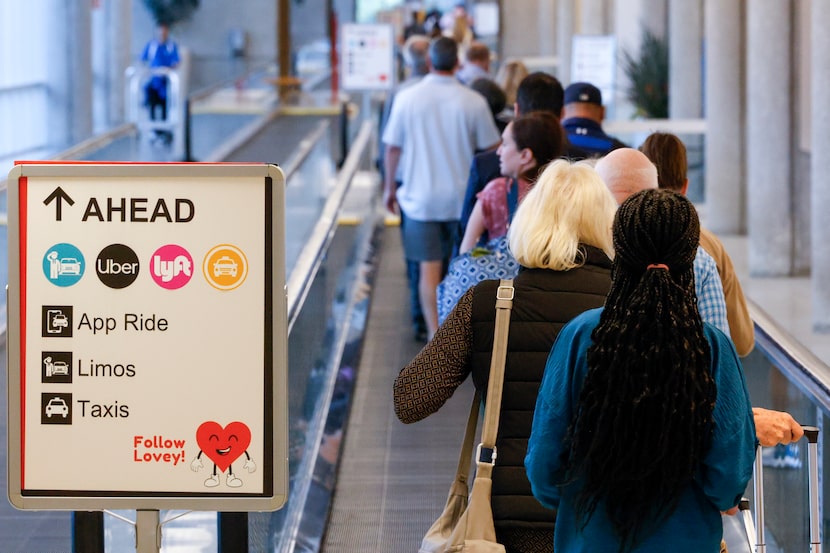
<point>643,430</point>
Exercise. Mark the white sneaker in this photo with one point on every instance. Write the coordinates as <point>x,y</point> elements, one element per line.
<point>233,481</point>
<point>212,482</point>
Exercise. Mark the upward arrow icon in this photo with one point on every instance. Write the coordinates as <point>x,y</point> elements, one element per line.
<point>59,195</point>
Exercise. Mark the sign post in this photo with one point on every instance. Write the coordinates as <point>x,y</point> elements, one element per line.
<point>147,337</point>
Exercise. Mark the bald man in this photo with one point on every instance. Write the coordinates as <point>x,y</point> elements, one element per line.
<point>627,171</point>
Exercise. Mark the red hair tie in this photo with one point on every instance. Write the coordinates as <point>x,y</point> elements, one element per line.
<point>657,266</point>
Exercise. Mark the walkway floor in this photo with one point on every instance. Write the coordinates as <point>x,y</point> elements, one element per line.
<point>393,478</point>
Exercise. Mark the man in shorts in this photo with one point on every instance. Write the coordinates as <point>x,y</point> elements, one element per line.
<point>434,129</point>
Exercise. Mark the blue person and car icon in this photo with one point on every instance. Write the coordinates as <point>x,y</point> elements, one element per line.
<point>63,264</point>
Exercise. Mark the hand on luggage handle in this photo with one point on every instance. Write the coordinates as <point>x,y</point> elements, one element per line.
<point>811,433</point>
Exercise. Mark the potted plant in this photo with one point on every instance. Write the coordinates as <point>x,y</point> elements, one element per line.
<point>169,12</point>
<point>648,76</point>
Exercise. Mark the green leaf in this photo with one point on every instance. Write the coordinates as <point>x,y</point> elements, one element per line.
<point>648,75</point>
<point>170,12</point>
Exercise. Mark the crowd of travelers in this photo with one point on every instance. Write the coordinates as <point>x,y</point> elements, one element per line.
<point>626,421</point>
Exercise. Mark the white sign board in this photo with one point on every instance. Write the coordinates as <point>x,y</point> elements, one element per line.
<point>593,60</point>
<point>147,336</point>
<point>486,18</point>
<point>367,57</point>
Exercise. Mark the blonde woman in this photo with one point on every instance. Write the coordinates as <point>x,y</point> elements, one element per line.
<point>561,236</point>
<point>509,76</point>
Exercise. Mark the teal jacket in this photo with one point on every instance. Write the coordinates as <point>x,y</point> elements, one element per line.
<point>695,525</point>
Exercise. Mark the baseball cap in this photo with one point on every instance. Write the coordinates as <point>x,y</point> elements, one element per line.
<point>583,92</point>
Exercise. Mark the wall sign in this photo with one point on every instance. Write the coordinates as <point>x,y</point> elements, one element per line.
<point>367,60</point>
<point>147,336</point>
<point>593,60</point>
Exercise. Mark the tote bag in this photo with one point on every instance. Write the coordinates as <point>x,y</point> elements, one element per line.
<point>467,526</point>
<point>492,262</point>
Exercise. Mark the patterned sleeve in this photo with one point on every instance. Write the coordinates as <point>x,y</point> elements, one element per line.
<point>493,201</point>
<point>428,381</point>
<point>710,300</point>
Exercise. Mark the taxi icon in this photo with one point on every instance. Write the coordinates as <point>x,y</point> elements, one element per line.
<point>57,406</point>
<point>225,266</point>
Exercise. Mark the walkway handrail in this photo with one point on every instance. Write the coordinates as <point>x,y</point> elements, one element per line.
<point>79,150</point>
<point>245,134</point>
<point>313,253</point>
<point>98,142</point>
<point>304,149</point>
<point>242,137</point>
<point>796,362</point>
<point>676,126</point>
<point>207,91</point>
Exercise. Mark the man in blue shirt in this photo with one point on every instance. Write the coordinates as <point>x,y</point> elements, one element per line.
<point>582,117</point>
<point>626,171</point>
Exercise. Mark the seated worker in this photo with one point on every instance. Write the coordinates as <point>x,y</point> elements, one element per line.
<point>582,117</point>
<point>159,52</point>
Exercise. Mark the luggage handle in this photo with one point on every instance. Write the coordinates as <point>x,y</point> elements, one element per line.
<point>811,433</point>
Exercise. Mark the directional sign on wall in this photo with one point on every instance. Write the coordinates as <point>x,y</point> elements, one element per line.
<point>367,57</point>
<point>147,336</point>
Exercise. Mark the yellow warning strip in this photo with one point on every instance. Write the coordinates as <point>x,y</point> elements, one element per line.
<point>310,110</point>
<point>352,220</point>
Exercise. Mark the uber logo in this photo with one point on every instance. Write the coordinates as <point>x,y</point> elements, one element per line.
<point>117,266</point>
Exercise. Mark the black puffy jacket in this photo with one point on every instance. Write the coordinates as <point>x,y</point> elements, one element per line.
<point>544,302</point>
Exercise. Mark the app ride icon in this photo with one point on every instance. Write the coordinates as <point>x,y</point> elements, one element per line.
<point>63,264</point>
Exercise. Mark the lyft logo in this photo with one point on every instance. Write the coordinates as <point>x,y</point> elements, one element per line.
<point>171,266</point>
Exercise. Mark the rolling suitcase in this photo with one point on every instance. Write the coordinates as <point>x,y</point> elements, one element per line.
<point>742,534</point>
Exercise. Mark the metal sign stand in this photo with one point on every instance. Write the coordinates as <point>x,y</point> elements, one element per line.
<point>147,531</point>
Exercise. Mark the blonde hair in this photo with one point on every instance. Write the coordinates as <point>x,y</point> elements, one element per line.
<point>569,205</point>
<point>509,76</point>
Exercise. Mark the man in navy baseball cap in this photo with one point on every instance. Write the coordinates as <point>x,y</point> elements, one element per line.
<point>582,116</point>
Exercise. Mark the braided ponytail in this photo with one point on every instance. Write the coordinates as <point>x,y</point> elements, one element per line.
<point>644,417</point>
